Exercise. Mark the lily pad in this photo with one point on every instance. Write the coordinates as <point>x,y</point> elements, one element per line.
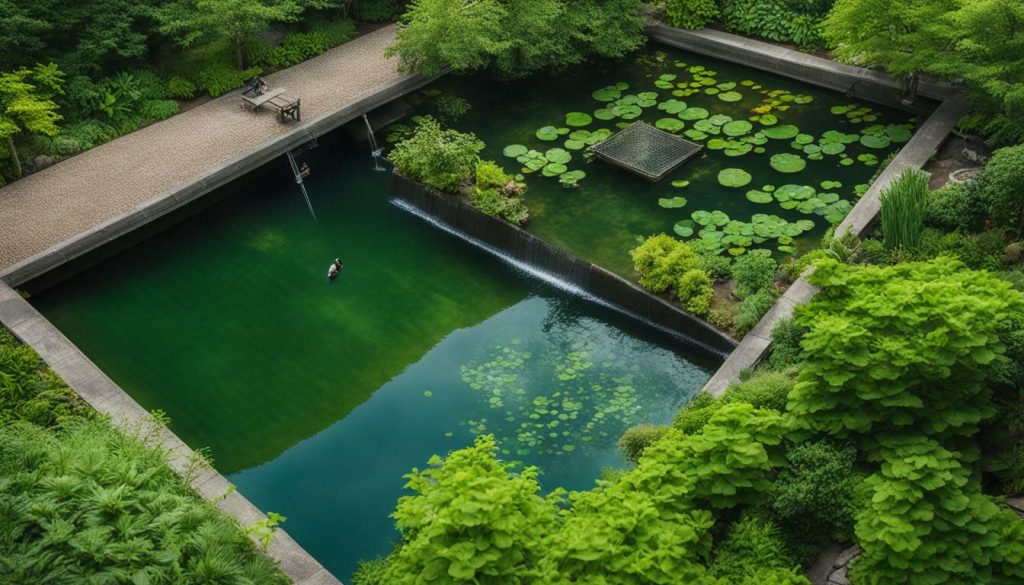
<point>571,178</point>
<point>733,177</point>
<point>670,124</point>
<point>553,169</point>
<point>831,184</point>
<point>693,114</point>
<point>672,202</point>
<point>683,228</point>
<point>547,133</point>
<point>680,183</point>
<point>872,141</point>
<point>607,94</point>
<point>604,114</point>
<point>783,132</point>
<point>577,119</point>
<point>730,96</point>
<point>833,147</point>
<point>759,197</point>
<point>672,106</point>
<point>514,150</point>
<point>573,144</point>
<point>788,163</point>
<point>557,155</point>
<point>737,128</point>
<point>768,119</point>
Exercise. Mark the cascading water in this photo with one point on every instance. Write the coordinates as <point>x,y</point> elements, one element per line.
<point>376,151</point>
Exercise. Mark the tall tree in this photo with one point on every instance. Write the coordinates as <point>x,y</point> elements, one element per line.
<point>906,38</point>
<point>190,22</point>
<point>460,34</point>
<point>26,104</point>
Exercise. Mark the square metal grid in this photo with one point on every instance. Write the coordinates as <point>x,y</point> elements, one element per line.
<point>645,150</point>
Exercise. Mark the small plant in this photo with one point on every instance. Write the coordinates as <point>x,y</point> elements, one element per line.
<point>753,308</point>
<point>438,157</point>
<point>180,88</point>
<point>633,442</point>
<point>903,208</point>
<point>263,530</point>
<point>691,14</point>
<point>1001,184</point>
<point>499,195</point>
<point>753,272</point>
<point>695,292</point>
<point>662,261</point>
<point>450,108</point>
<point>785,349</point>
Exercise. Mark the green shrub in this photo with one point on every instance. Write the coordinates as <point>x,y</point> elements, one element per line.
<point>157,109</point>
<point>30,393</point>
<point>903,208</point>
<point>86,501</point>
<point>180,88</point>
<point>782,21</point>
<point>955,206</point>
<point>753,308</point>
<point>220,78</point>
<point>374,10</point>
<point>753,272</point>
<point>814,493</point>
<point>336,31</point>
<point>451,108</point>
<point>785,349</point>
<point>149,85</point>
<point>371,572</point>
<point>295,48</point>
<point>1001,185</point>
<point>633,442</point>
<point>765,389</point>
<point>498,194</point>
<point>691,14</point>
<point>871,251</point>
<point>440,158</point>
<point>695,292</point>
<point>752,546</point>
<point>662,261</point>
<point>717,266</point>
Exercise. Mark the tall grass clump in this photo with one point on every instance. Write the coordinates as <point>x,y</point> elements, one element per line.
<point>903,208</point>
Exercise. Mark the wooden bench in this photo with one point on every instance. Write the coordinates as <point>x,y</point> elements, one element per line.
<point>287,106</point>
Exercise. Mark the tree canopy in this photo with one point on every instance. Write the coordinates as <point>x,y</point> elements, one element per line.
<point>26,104</point>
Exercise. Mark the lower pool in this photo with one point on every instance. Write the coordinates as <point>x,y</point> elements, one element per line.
<point>316,397</point>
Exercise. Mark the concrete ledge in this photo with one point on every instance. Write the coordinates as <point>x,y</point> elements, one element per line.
<point>861,218</point>
<point>522,246</point>
<point>202,184</point>
<point>93,386</point>
<point>855,82</point>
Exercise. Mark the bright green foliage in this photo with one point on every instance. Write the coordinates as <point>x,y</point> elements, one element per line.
<point>516,37</point>
<point>191,22</point>
<point>785,349</point>
<point>813,494</point>
<point>471,520</point>
<point>955,206</point>
<point>88,504</point>
<point>783,21</point>
<point>753,308</point>
<point>26,104</point>
<point>695,292</point>
<point>927,523</point>
<point>296,47</point>
<point>633,442</point>
<point>753,272</point>
<point>900,349</point>
<point>765,389</point>
<point>29,393</point>
<point>438,157</point>
<point>727,463</point>
<point>371,572</point>
<point>754,546</point>
<point>903,209</point>
<point>903,37</point>
<point>498,194</point>
<point>662,261</point>
<point>1001,185</point>
<point>691,14</point>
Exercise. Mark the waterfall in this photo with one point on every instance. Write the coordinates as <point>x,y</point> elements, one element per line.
<point>376,151</point>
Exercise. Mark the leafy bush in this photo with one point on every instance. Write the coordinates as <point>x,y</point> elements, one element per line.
<point>955,206</point>
<point>871,251</point>
<point>440,158</point>
<point>753,308</point>
<point>371,572</point>
<point>782,21</point>
<point>765,389</point>
<point>180,88</point>
<point>451,108</point>
<point>900,349</point>
<point>814,493</point>
<point>498,194</point>
<point>785,349</point>
<point>30,393</point>
<point>295,48</point>
<point>375,10</point>
<point>982,251</point>
<point>753,545</point>
<point>1001,184</point>
<point>753,272</point>
<point>157,109</point>
<point>691,14</point>
<point>695,292</point>
<point>335,31</point>
<point>86,501</point>
<point>662,261</point>
<point>633,442</point>
<point>903,209</point>
<point>220,78</point>
<point>717,266</point>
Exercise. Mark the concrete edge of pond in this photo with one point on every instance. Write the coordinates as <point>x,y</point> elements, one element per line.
<point>854,82</point>
<point>522,246</point>
<point>200,185</point>
<point>106,397</point>
<point>861,218</point>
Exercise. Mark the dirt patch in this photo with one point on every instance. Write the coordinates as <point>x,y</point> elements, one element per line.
<point>960,151</point>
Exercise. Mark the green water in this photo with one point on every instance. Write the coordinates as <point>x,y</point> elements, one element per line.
<point>316,397</point>
<point>611,209</point>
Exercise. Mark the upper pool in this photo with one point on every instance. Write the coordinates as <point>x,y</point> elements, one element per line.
<point>805,151</point>
<point>315,397</point>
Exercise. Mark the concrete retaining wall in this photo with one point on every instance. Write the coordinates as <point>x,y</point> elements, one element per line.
<point>106,397</point>
<point>524,246</point>
<point>202,184</point>
<point>856,82</point>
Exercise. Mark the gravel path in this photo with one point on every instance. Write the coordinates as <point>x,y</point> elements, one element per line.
<point>85,191</point>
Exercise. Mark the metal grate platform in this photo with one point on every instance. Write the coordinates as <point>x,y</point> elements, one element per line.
<point>646,150</point>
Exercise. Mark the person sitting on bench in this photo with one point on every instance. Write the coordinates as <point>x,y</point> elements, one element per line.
<point>255,87</point>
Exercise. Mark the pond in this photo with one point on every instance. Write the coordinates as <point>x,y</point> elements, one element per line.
<point>315,397</point>
<point>782,160</point>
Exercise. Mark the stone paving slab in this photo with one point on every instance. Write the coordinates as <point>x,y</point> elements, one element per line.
<point>85,201</point>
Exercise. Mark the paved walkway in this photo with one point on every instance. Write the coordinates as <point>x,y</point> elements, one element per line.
<point>92,189</point>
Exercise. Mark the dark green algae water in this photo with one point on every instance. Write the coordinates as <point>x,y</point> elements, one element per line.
<point>315,397</point>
